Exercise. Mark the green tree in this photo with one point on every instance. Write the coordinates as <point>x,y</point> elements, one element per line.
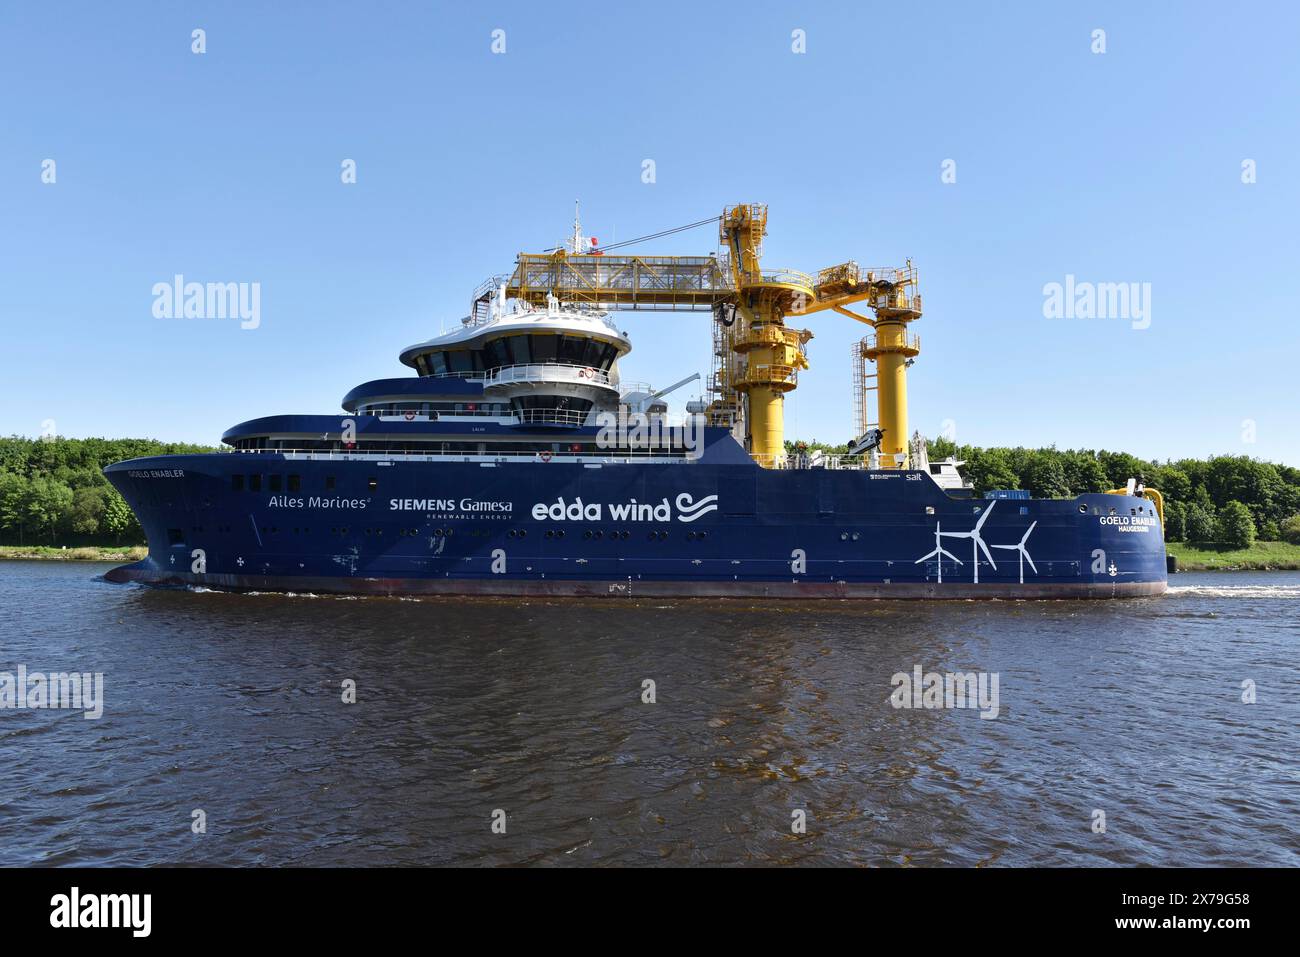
<point>47,502</point>
<point>941,448</point>
<point>87,510</point>
<point>1234,526</point>
<point>1175,521</point>
<point>1084,473</point>
<point>1173,482</point>
<point>1200,523</point>
<point>1291,530</point>
<point>1045,477</point>
<point>13,504</point>
<point>118,519</point>
<point>1120,467</point>
<point>991,468</point>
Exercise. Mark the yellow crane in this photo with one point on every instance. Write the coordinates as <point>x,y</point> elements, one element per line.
<point>757,357</point>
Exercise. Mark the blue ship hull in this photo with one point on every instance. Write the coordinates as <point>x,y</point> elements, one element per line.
<point>718,527</point>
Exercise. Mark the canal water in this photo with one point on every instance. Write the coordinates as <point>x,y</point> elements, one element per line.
<point>1158,731</point>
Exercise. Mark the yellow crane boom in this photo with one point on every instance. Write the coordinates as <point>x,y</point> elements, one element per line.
<point>756,356</point>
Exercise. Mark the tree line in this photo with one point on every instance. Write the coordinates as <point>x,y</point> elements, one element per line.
<point>53,490</point>
<point>1225,499</point>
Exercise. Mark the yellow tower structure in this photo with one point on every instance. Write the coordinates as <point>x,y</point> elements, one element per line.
<point>773,354</point>
<point>892,349</point>
<point>891,295</point>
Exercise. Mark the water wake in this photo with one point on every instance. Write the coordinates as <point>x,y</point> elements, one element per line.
<point>1234,591</point>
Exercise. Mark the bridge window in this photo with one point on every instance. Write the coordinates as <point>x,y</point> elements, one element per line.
<point>518,349</point>
<point>544,348</point>
<point>573,350</point>
<point>494,354</point>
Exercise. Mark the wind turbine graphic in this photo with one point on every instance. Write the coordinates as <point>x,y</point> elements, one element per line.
<point>938,553</point>
<point>1024,552</point>
<point>976,543</point>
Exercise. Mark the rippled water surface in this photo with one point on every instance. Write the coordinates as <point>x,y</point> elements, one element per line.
<point>232,704</point>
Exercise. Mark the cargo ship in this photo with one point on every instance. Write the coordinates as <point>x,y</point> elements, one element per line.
<point>517,461</point>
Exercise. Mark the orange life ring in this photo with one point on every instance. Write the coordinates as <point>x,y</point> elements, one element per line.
<point>544,456</point>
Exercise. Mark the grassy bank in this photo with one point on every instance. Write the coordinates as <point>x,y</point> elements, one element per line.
<point>1262,556</point>
<point>87,553</point>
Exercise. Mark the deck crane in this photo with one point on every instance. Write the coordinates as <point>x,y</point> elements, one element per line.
<point>757,357</point>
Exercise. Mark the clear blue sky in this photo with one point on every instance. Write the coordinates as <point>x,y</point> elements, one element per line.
<point>1120,167</point>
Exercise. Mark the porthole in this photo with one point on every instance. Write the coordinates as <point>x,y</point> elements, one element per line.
<point>1083,510</point>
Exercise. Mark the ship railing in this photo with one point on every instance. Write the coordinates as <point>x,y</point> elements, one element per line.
<point>416,413</point>
<point>508,415</point>
<point>907,343</point>
<point>551,416</point>
<point>811,460</point>
<point>548,372</point>
<point>779,276</point>
<point>474,374</point>
<point>602,457</point>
